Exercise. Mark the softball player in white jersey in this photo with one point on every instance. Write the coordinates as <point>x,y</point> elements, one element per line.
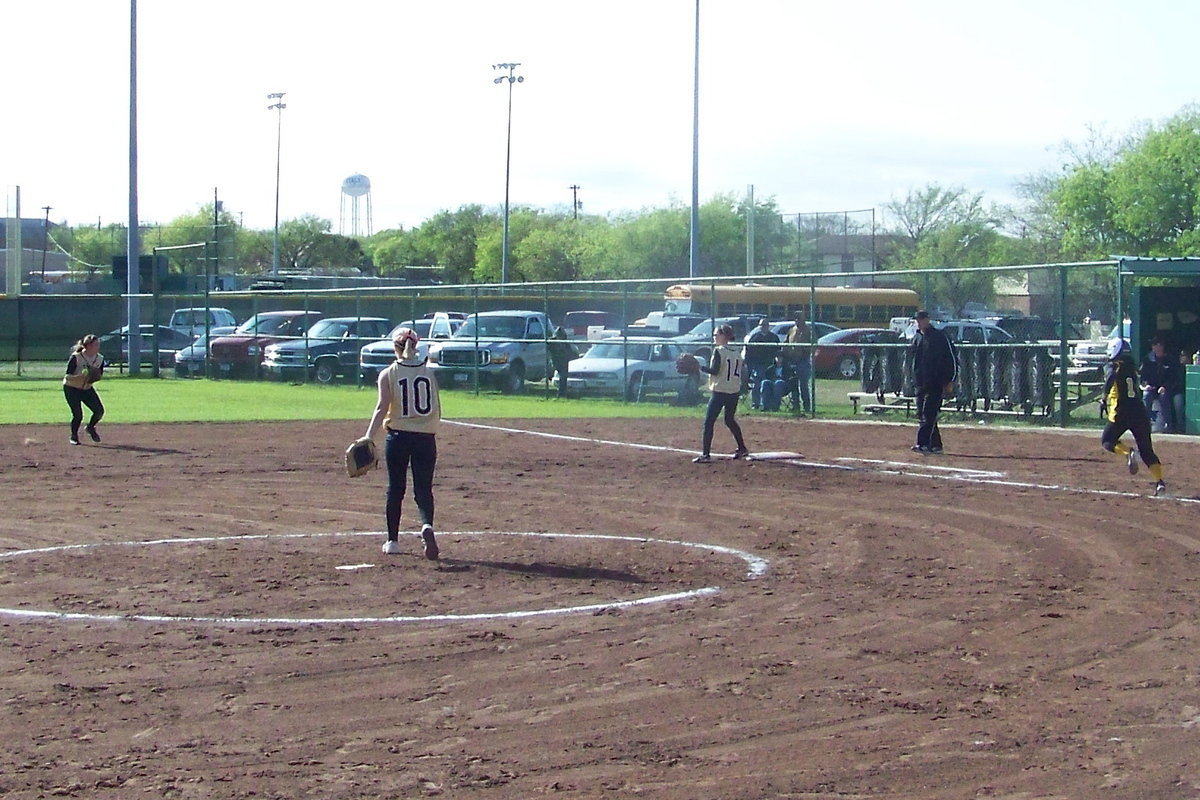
<point>410,410</point>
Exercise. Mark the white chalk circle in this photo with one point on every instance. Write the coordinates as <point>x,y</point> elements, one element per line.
<point>755,567</point>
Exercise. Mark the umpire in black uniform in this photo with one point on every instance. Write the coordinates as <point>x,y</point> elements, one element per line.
<point>935,369</point>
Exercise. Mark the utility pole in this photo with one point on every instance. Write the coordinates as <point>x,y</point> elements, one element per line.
<point>45,240</point>
<point>574,200</point>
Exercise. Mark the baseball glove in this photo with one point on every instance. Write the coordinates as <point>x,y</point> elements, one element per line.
<point>360,457</point>
<point>687,364</point>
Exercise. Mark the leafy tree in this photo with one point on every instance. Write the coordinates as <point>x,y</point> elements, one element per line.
<point>93,249</point>
<point>651,244</point>
<point>974,243</point>
<point>1139,196</point>
<point>305,243</point>
<point>447,240</point>
<point>552,252</point>
<point>931,208</point>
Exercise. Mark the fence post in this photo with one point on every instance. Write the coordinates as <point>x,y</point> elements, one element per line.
<point>812,340</point>
<point>475,358</point>
<point>1063,354</point>
<point>546,341</point>
<point>624,327</point>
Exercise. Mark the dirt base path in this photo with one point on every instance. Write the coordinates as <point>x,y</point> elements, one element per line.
<point>1015,618</point>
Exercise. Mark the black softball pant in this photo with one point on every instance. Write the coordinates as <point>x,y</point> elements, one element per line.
<point>1139,426</point>
<point>403,449</point>
<point>77,399</point>
<point>929,406</point>
<point>718,402</point>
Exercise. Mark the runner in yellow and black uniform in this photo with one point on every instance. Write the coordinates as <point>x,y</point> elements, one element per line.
<point>1125,411</point>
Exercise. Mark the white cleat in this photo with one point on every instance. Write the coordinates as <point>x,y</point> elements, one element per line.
<point>391,547</point>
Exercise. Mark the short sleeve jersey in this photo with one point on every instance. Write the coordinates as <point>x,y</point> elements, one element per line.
<point>414,404</point>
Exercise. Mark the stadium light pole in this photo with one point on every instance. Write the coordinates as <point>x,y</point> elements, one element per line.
<point>694,227</point>
<point>278,106</point>
<point>512,78</point>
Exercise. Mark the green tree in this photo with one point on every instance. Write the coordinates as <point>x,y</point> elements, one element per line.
<point>962,244</point>
<point>1139,196</point>
<point>927,210</point>
<point>305,243</point>
<point>92,249</point>
<point>651,244</point>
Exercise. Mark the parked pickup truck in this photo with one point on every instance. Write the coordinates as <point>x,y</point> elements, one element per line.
<point>329,349</point>
<point>505,348</point>
<point>241,352</point>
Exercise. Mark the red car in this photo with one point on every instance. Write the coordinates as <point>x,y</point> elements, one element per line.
<point>241,352</point>
<point>838,355</point>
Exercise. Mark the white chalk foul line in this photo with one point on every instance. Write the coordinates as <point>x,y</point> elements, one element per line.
<point>755,567</point>
<point>965,472</point>
<point>909,472</point>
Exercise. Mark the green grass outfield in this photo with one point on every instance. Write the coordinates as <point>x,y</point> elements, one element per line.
<point>35,396</point>
<point>145,399</point>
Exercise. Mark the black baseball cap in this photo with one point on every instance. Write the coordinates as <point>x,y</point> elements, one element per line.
<point>922,314</point>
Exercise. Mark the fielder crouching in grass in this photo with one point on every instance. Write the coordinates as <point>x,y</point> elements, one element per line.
<point>410,410</point>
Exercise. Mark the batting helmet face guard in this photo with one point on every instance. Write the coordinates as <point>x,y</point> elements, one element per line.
<point>1117,348</point>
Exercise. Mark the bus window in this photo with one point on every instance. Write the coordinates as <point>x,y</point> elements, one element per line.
<point>845,313</point>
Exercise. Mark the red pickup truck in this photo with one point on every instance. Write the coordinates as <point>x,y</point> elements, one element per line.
<point>241,352</point>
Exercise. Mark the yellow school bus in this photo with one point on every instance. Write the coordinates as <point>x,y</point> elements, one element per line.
<point>846,308</point>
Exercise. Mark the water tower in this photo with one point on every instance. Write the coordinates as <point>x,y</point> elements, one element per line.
<point>355,187</point>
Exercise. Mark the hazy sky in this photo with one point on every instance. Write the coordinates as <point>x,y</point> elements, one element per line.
<point>824,106</point>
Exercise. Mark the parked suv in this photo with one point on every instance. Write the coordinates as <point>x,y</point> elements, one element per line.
<point>191,320</point>
<point>968,331</point>
<point>698,341</point>
<point>240,352</point>
<point>328,350</point>
<point>507,347</point>
<point>169,341</point>
<point>375,357</point>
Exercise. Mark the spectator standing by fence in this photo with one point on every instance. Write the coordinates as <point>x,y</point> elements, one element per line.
<point>935,368</point>
<point>562,352</point>
<point>799,357</point>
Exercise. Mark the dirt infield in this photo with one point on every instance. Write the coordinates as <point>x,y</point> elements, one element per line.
<point>189,612</point>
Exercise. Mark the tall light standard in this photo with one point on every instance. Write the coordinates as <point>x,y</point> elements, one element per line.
<point>512,78</point>
<point>278,106</point>
<point>694,226</point>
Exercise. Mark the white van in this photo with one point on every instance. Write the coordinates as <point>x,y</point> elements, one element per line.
<point>191,320</point>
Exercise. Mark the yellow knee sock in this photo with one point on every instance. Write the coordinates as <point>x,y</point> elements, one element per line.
<point>1156,471</point>
<point>1121,449</point>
